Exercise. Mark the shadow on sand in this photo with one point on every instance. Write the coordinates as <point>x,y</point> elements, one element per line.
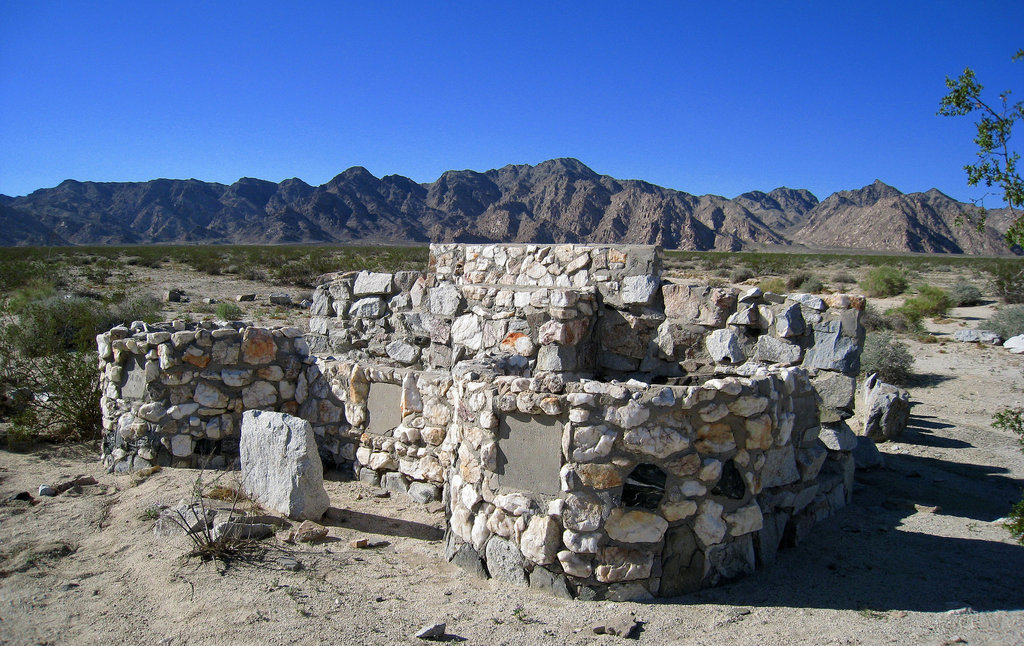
<point>864,559</point>
<point>374,524</point>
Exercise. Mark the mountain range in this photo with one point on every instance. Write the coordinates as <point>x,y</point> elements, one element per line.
<point>560,200</point>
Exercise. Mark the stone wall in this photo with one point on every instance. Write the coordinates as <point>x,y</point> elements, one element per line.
<point>605,490</point>
<point>591,427</point>
<point>173,394</point>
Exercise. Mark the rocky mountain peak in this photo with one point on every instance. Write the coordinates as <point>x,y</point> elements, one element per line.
<point>559,200</point>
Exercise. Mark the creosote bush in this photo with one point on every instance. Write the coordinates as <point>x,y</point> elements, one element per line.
<point>1006,322</point>
<point>884,281</point>
<point>964,294</point>
<point>741,274</point>
<point>930,301</point>
<point>1008,279</point>
<point>48,357</point>
<point>886,356</point>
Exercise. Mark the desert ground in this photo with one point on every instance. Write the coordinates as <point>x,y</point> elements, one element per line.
<point>918,558</point>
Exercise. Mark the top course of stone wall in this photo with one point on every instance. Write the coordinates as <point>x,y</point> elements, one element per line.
<point>584,312</point>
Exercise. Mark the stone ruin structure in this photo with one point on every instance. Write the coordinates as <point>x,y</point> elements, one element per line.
<point>592,427</point>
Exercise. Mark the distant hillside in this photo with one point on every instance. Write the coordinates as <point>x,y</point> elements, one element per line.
<point>560,200</point>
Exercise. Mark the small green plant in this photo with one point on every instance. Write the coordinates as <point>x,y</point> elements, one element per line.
<point>884,281</point>
<point>886,356</point>
<point>964,294</point>
<point>228,312</point>
<point>1006,322</point>
<point>774,284</point>
<point>150,513</point>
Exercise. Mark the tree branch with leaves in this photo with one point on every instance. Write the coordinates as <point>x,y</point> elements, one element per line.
<point>997,165</point>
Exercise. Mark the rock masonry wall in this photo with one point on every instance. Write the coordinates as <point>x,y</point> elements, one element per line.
<point>173,394</point>
<point>592,429</point>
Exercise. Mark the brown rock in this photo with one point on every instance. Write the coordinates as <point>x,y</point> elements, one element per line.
<point>258,346</point>
<point>599,476</point>
<point>309,532</point>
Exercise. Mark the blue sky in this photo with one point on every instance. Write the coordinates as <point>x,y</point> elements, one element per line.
<point>746,95</point>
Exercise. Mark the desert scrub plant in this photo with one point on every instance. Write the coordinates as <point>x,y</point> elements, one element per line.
<point>1012,419</point>
<point>1008,280</point>
<point>794,280</point>
<point>64,400</point>
<point>228,312</point>
<point>874,320</point>
<point>811,285</point>
<point>930,301</point>
<point>886,356</point>
<point>774,284</point>
<point>1007,322</point>
<point>843,278</point>
<point>141,307</point>
<point>207,543</point>
<point>884,281</point>
<point>964,294</point>
<point>741,274</point>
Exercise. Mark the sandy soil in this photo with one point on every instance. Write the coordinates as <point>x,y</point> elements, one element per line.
<point>916,559</point>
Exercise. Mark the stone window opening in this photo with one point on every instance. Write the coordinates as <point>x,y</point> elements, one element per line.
<point>644,487</point>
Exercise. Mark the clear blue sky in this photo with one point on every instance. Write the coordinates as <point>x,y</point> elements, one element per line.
<point>745,95</point>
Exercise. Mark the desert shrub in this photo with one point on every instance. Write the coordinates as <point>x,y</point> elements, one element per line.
<point>60,387</point>
<point>884,281</point>
<point>794,280</point>
<point>18,273</point>
<point>811,285</point>
<point>930,301</point>
<point>1008,279</point>
<point>1006,322</point>
<point>47,352</point>
<point>1012,419</point>
<point>740,273</point>
<point>142,307</point>
<point>228,312</point>
<point>873,320</point>
<point>886,356</point>
<point>253,272</point>
<point>963,294</point>
<point>774,284</point>
<point>30,291</point>
<point>844,277</point>
<point>58,323</point>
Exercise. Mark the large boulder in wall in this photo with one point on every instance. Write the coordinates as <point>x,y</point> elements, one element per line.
<point>281,469</point>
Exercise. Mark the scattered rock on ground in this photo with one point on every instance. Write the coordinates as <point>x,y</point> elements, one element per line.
<point>432,631</point>
<point>622,626</point>
<point>1015,344</point>
<point>309,532</point>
